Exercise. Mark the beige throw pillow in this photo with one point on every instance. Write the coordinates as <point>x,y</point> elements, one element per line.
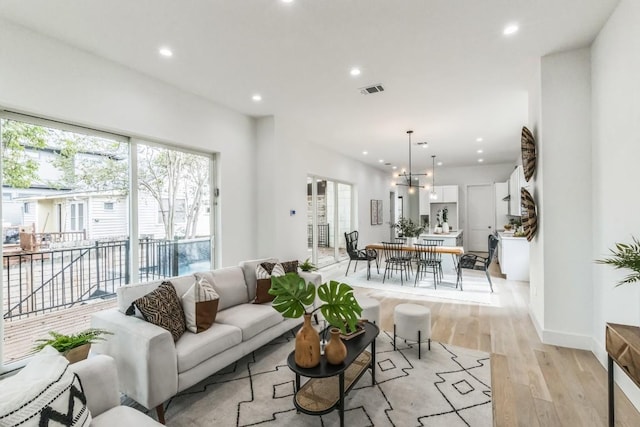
<point>200,305</point>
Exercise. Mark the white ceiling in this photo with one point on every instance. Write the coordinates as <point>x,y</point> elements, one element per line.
<point>449,73</point>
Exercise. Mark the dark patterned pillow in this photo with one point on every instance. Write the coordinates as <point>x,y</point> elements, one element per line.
<point>290,266</point>
<point>162,307</point>
<point>268,266</point>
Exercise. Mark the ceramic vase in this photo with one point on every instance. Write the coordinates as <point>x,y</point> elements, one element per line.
<point>307,352</point>
<point>335,350</point>
<point>445,227</point>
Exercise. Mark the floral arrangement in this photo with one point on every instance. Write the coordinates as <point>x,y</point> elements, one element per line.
<point>408,228</point>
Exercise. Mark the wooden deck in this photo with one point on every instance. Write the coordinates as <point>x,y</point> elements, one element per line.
<point>20,335</point>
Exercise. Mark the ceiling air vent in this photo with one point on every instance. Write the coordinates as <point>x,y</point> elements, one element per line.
<point>371,89</point>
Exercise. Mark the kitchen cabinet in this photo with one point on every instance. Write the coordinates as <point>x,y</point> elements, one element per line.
<point>446,194</point>
<point>513,256</point>
<point>516,181</point>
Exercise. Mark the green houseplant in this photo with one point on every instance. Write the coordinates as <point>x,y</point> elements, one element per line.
<point>307,266</point>
<point>408,228</point>
<point>74,347</point>
<point>294,297</point>
<point>625,255</point>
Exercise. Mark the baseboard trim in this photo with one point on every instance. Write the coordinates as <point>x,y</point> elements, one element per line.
<point>562,339</point>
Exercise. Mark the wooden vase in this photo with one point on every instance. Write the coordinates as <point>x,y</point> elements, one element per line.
<point>335,350</point>
<point>77,354</point>
<point>307,353</point>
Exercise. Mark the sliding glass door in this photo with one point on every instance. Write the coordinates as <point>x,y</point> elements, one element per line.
<point>329,216</point>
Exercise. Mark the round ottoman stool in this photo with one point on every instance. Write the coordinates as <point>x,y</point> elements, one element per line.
<point>370,309</point>
<point>413,323</point>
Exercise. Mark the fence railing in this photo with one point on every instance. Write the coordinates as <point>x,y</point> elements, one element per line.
<point>323,235</point>
<point>48,280</point>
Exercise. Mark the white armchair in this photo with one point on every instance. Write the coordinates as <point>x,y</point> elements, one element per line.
<point>99,379</point>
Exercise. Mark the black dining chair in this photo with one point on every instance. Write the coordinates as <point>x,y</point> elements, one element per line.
<point>476,262</point>
<point>438,255</point>
<point>427,260</point>
<point>356,254</point>
<point>395,260</point>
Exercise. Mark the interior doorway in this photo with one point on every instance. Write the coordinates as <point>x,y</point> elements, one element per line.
<point>480,216</point>
<point>329,216</point>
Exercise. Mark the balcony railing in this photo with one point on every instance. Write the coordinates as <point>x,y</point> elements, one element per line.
<point>48,280</point>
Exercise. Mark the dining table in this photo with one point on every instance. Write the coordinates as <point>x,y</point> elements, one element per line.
<point>455,251</point>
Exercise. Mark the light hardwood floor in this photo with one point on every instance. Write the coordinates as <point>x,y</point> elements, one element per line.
<point>533,384</point>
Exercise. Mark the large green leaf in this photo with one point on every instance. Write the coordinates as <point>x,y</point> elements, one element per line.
<point>292,295</point>
<point>340,306</point>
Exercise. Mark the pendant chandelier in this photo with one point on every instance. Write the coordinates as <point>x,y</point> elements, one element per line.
<point>411,177</point>
<point>433,195</point>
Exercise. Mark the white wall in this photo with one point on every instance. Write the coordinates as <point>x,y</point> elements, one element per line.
<point>290,158</point>
<point>616,150</point>
<point>43,77</point>
<point>565,153</point>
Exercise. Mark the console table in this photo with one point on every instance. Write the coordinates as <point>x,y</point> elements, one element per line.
<point>328,384</point>
<point>623,347</point>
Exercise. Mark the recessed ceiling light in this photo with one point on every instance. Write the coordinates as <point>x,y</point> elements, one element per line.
<point>166,52</point>
<point>478,139</point>
<point>257,97</point>
<point>365,152</point>
<point>394,167</point>
<point>480,160</point>
<point>439,163</point>
<point>479,151</point>
<point>381,161</point>
<point>355,71</point>
<point>510,29</point>
<point>287,1</point>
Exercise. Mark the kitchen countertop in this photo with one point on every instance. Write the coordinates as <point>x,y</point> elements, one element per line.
<point>450,234</point>
<point>510,236</point>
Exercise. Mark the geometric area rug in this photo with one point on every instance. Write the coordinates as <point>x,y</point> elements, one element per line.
<point>450,386</point>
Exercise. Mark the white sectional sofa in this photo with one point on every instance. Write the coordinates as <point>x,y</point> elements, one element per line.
<point>152,368</point>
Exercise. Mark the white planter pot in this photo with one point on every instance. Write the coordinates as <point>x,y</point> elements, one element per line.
<point>445,227</point>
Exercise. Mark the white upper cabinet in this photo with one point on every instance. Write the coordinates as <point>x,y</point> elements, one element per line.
<point>449,193</point>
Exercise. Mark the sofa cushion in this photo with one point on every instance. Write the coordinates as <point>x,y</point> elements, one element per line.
<point>44,388</point>
<point>200,305</point>
<point>192,349</point>
<point>249,271</point>
<point>163,308</point>
<point>229,284</point>
<point>129,293</point>
<point>264,272</point>
<point>290,266</point>
<point>250,318</point>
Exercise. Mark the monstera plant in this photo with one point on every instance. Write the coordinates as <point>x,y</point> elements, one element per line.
<point>294,297</point>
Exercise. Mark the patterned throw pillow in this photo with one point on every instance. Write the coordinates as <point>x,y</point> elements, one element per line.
<point>290,266</point>
<point>264,272</point>
<point>163,308</point>
<point>200,305</point>
<point>45,392</point>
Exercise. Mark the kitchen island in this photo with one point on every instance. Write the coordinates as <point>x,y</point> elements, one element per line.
<point>452,238</point>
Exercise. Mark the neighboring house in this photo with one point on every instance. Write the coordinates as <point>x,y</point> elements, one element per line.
<point>102,214</point>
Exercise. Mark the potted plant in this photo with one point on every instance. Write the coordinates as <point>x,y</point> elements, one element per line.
<point>409,229</point>
<point>625,255</point>
<point>294,297</point>
<point>74,347</point>
<point>307,266</point>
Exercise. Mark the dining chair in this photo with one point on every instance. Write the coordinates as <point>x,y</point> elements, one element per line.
<point>356,254</point>
<point>427,261</point>
<point>408,255</point>
<point>476,262</point>
<point>438,256</point>
<point>395,260</point>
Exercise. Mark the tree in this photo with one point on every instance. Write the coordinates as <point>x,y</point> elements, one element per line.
<point>166,175</point>
<point>18,169</point>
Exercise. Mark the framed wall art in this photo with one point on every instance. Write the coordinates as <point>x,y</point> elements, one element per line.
<point>374,212</point>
